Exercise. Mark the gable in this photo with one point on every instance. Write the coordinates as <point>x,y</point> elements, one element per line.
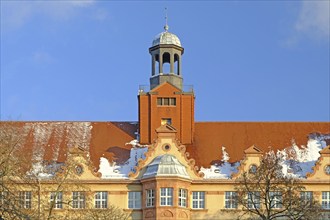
<point>166,89</point>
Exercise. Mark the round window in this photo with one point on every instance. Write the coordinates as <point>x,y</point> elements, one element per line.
<point>166,147</point>
<point>253,169</point>
<point>79,169</point>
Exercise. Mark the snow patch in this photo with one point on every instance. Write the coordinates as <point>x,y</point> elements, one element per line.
<point>296,161</point>
<point>114,171</point>
<point>222,171</point>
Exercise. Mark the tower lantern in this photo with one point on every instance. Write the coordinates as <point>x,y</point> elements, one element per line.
<point>166,52</point>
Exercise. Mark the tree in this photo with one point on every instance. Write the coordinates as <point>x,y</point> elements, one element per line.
<point>33,188</point>
<point>10,168</point>
<point>265,192</point>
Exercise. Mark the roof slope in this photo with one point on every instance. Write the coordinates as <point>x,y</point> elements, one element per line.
<point>51,140</point>
<point>209,137</point>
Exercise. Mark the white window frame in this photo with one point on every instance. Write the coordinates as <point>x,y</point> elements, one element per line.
<point>58,196</point>
<point>150,198</point>
<point>182,198</point>
<point>166,196</point>
<point>325,200</point>
<point>306,197</point>
<point>276,200</point>
<point>78,200</point>
<point>25,199</point>
<point>134,200</point>
<point>231,200</point>
<point>253,200</point>
<point>198,200</point>
<point>101,200</point>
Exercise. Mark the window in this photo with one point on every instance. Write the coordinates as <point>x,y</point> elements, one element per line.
<point>166,196</point>
<point>182,197</point>
<point>101,200</point>
<point>150,198</point>
<point>166,101</point>
<point>56,200</point>
<point>326,200</point>
<point>253,200</point>
<point>79,169</point>
<point>25,200</point>
<point>159,101</point>
<point>134,200</point>
<point>253,169</point>
<point>275,200</point>
<point>230,200</point>
<point>198,200</point>
<point>327,169</point>
<point>78,200</point>
<point>306,198</point>
<point>165,121</point>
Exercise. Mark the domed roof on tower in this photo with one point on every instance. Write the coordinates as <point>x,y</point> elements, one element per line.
<point>166,37</point>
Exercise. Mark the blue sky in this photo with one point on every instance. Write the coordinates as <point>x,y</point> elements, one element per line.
<point>84,60</point>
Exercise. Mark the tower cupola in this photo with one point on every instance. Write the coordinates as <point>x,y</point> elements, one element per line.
<point>166,52</point>
<point>167,101</point>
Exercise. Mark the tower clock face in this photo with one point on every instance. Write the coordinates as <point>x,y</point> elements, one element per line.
<point>327,169</point>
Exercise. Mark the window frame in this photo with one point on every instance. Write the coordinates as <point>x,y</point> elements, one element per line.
<point>325,202</point>
<point>57,199</point>
<point>79,200</point>
<point>150,198</point>
<point>166,101</point>
<point>166,196</point>
<point>165,121</point>
<point>276,199</point>
<point>231,200</point>
<point>101,200</point>
<point>253,200</point>
<point>182,197</point>
<point>198,200</point>
<point>25,198</point>
<point>134,200</point>
<point>306,197</point>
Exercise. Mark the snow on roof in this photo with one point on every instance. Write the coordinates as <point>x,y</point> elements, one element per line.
<point>114,171</point>
<point>295,161</point>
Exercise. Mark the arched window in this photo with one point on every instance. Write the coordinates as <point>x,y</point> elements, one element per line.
<point>156,67</point>
<point>176,64</point>
<point>166,62</point>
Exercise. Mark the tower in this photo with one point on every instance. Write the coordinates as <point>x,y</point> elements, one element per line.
<point>166,100</point>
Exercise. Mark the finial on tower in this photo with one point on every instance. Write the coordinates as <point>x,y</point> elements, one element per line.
<point>166,26</point>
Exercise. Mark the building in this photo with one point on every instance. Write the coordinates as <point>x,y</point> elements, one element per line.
<point>179,168</point>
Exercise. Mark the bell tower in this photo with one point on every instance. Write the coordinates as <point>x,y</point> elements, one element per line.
<point>166,100</point>
<point>166,52</point>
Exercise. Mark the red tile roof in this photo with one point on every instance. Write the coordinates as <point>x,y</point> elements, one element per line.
<point>51,140</point>
<point>237,136</point>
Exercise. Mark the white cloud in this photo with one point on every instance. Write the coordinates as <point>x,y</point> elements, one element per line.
<point>15,14</point>
<point>314,19</point>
